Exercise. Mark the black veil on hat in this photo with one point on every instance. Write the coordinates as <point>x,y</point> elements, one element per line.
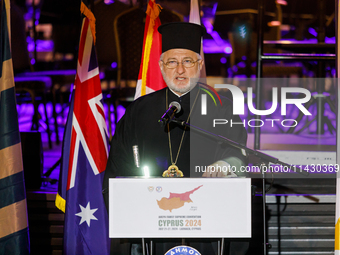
<point>181,35</point>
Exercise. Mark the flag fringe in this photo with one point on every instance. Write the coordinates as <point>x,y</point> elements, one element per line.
<point>337,235</point>
<point>84,10</point>
<point>153,11</point>
<point>60,203</point>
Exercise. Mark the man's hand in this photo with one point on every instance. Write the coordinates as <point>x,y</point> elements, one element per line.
<point>219,169</point>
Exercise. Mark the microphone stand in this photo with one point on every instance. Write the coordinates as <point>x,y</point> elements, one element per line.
<point>265,159</point>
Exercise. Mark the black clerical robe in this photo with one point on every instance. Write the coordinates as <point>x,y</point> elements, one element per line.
<point>139,126</point>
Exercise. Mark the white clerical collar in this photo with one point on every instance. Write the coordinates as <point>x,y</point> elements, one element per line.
<point>177,94</point>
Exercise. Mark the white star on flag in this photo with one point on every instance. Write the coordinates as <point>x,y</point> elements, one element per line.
<point>86,214</point>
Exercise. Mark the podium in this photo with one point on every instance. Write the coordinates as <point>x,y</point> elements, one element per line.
<point>180,208</point>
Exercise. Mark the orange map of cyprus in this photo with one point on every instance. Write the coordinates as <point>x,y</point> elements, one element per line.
<point>176,200</point>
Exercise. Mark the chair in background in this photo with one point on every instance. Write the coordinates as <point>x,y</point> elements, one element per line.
<point>36,88</point>
<point>237,22</point>
<point>128,28</point>
<point>105,43</point>
<point>243,38</point>
<point>40,86</point>
<point>106,47</point>
<point>65,18</point>
<point>167,16</point>
<point>243,57</point>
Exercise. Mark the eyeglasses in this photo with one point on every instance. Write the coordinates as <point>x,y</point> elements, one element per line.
<point>187,63</point>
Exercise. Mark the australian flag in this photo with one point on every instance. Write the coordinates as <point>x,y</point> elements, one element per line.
<point>85,152</point>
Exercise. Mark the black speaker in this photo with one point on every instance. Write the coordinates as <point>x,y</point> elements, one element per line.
<point>33,159</point>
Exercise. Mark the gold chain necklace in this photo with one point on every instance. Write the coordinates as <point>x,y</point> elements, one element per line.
<point>173,170</point>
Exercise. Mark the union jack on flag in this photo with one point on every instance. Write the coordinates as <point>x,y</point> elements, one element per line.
<point>85,152</point>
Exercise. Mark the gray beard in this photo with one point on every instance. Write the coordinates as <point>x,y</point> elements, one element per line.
<point>182,90</point>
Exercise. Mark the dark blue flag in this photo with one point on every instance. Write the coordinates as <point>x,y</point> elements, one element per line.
<point>85,152</point>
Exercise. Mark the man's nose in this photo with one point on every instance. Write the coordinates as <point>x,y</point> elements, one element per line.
<point>180,68</point>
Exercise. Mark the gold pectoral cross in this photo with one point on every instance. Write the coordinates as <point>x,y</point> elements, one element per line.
<point>172,171</point>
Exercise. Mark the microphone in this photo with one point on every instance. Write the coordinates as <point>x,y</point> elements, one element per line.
<point>167,117</point>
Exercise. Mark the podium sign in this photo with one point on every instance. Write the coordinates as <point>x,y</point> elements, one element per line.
<point>179,208</point>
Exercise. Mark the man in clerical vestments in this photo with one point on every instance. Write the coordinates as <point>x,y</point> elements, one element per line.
<point>171,149</point>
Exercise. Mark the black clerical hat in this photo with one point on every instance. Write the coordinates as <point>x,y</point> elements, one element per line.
<point>181,35</point>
